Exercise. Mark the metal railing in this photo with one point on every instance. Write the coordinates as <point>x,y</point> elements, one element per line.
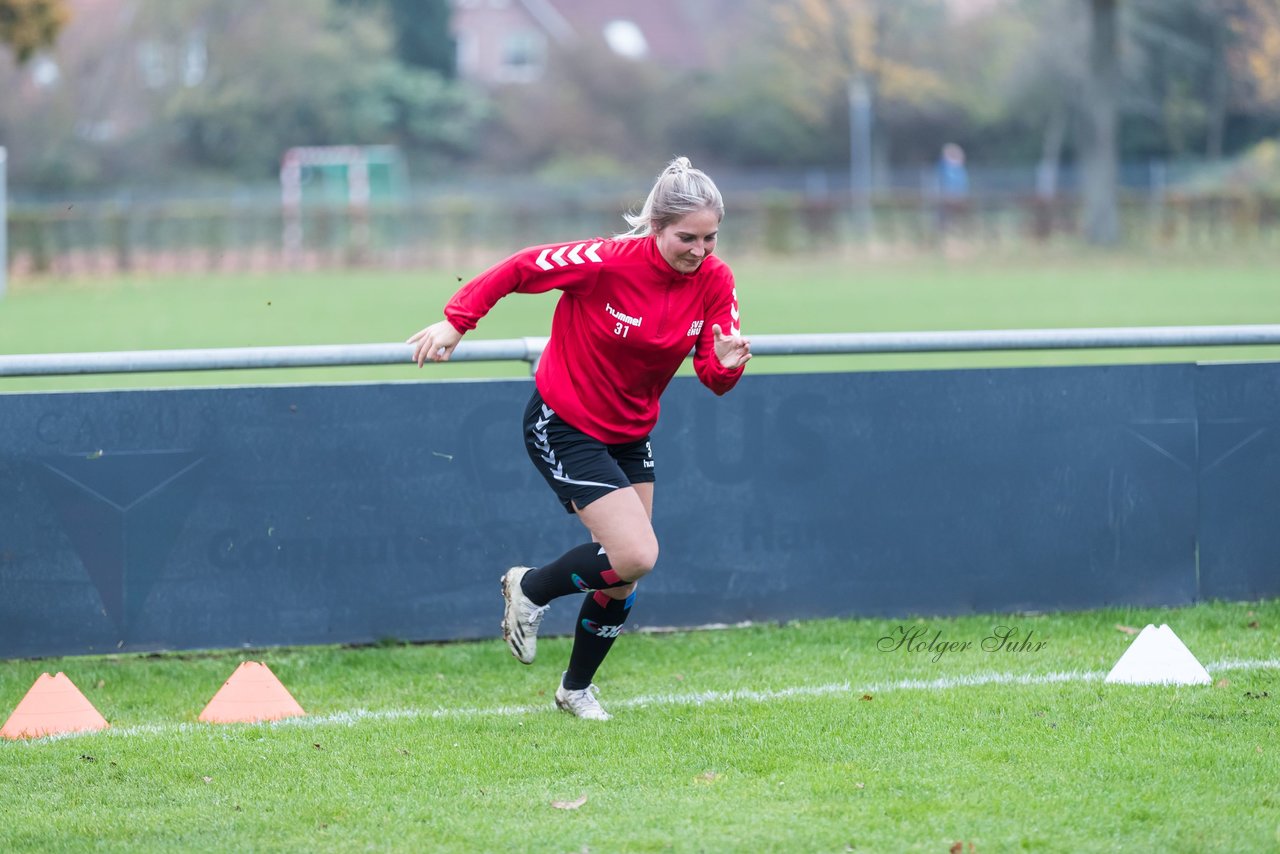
<point>530,349</point>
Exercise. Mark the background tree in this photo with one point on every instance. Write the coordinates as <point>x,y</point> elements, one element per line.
<point>591,105</point>
<point>421,28</point>
<point>1253,53</point>
<point>761,109</point>
<point>871,53</point>
<point>31,25</point>
<point>1100,157</point>
<point>150,91</point>
<point>154,92</point>
<point>1202,61</point>
<point>422,35</point>
<point>308,72</point>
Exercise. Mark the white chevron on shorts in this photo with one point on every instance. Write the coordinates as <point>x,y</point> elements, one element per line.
<point>542,443</point>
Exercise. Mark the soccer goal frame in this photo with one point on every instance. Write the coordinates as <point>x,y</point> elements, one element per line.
<point>355,161</point>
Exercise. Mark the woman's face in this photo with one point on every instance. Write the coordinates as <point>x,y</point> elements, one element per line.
<point>685,243</point>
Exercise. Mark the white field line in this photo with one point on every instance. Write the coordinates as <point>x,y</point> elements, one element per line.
<point>700,698</point>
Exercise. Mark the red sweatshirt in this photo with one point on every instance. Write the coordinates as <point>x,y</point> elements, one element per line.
<point>624,324</point>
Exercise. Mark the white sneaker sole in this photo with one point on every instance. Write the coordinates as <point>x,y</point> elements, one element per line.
<point>565,706</point>
<point>524,649</point>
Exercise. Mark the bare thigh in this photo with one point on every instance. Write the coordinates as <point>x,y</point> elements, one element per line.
<point>622,522</point>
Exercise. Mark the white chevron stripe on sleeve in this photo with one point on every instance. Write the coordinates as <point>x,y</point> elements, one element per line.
<point>542,259</point>
<point>559,257</point>
<point>591,251</point>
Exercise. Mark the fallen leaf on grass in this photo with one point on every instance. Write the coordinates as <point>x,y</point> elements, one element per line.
<point>707,777</point>
<point>859,785</point>
<point>1222,683</point>
<point>317,746</point>
<point>867,697</point>
<point>1253,624</point>
<point>1128,630</point>
<point>207,779</point>
<point>569,805</point>
<point>87,758</point>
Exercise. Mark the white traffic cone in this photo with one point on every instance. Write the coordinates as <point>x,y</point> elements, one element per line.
<point>1158,657</point>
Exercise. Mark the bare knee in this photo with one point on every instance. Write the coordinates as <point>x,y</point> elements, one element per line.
<point>634,561</point>
<point>620,522</point>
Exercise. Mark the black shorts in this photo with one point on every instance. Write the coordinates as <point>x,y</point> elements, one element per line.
<point>578,468</point>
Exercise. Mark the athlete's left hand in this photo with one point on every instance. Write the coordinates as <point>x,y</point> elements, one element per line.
<point>733,351</point>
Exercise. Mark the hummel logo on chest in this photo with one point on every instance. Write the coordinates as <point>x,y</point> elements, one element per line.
<point>625,321</point>
<point>575,256</point>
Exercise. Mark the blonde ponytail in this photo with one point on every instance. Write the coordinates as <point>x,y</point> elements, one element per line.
<point>679,191</point>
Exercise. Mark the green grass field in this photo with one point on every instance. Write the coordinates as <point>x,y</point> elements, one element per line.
<point>796,737</point>
<point>778,296</point>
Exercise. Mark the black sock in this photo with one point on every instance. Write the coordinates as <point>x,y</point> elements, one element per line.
<point>581,569</point>
<point>599,623</point>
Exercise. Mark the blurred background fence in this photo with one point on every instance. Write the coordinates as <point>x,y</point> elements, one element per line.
<point>246,233</point>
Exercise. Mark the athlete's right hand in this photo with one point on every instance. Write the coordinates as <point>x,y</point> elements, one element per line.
<point>436,342</point>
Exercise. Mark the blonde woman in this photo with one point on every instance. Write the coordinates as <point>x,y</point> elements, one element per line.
<point>631,308</point>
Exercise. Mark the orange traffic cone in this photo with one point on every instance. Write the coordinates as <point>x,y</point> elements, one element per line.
<point>252,694</point>
<point>53,706</point>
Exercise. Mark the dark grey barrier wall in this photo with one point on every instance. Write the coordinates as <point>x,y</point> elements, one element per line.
<point>1239,438</point>
<point>197,518</point>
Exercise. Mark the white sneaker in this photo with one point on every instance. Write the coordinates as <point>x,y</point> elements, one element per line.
<point>520,618</point>
<point>582,704</point>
